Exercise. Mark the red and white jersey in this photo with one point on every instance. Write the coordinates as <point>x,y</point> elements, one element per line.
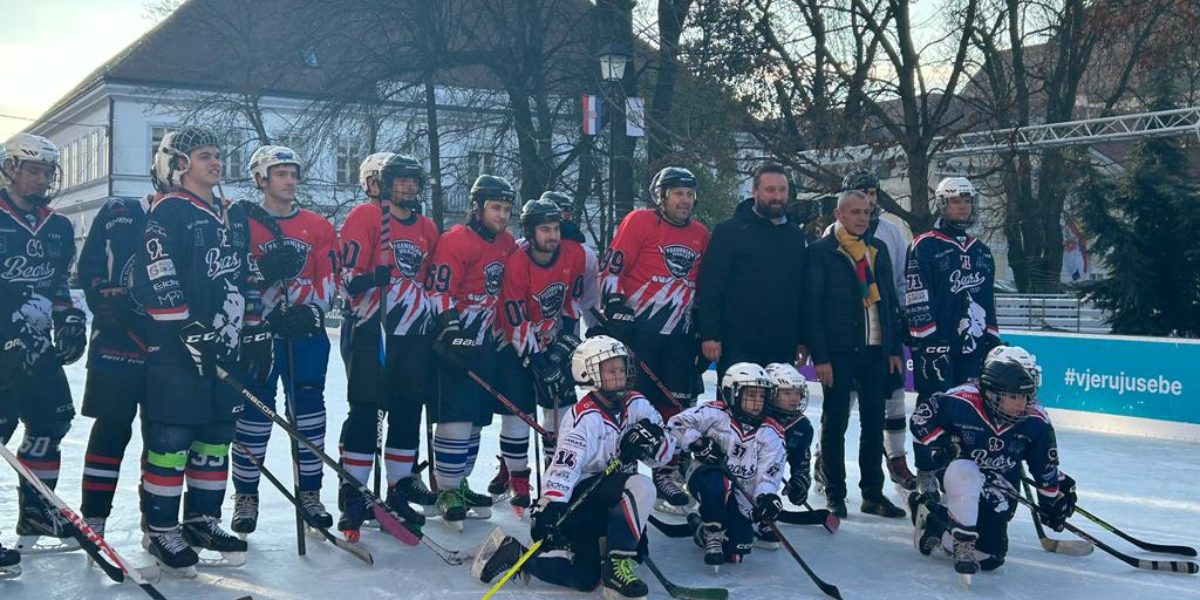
<point>755,455</point>
<point>314,238</point>
<point>654,263</point>
<point>466,274</point>
<point>589,437</point>
<point>589,294</point>
<point>413,241</point>
<point>536,297</point>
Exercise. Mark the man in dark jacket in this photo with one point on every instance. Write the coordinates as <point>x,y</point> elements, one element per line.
<point>852,324</point>
<point>749,290</point>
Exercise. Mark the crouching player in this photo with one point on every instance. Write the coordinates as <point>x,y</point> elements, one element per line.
<point>612,421</point>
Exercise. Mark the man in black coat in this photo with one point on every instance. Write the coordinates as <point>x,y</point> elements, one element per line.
<point>852,323</point>
<point>749,289</point>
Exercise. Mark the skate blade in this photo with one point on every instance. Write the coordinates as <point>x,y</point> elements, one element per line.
<point>479,512</point>
<point>667,508</point>
<point>485,551</point>
<point>221,560</point>
<point>502,497</point>
<point>964,579</point>
<point>765,545</point>
<point>455,526</point>
<point>611,594</point>
<point>28,545</point>
<point>154,574</point>
<point>10,572</point>
<point>430,510</point>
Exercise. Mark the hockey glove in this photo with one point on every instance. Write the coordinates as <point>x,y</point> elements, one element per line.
<point>928,488</point>
<point>302,320</point>
<point>200,341</point>
<point>280,262</point>
<point>796,487</point>
<point>707,451</point>
<point>380,277</point>
<point>1055,511</point>
<point>551,379</point>
<point>14,357</point>
<point>642,440</point>
<point>112,308</point>
<point>257,352</point>
<point>70,334</point>
<point>990,341</point>
<point>560,351</point>
<point>618,317</point>
<point>767,508</point>
<point>452,343</point>
<point>544,516</point>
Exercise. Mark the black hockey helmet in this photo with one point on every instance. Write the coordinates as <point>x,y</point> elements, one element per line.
<point>401,166</point>
<point>860,180</point>
<point>564,202</point>
<point>536,212</point>
<point>491,187</point>
<point>1005,376</point>
<point>670,177</point>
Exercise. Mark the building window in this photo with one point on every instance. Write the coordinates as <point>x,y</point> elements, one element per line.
<point>102,154</point>
<point>349,155</point>
<point>233,168</point>
<point>88,163</point>
<point>479,163</point>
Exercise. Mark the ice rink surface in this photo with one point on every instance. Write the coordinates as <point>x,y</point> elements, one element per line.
<point>1147,487</point>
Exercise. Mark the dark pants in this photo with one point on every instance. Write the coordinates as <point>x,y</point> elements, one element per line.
<point>864,371</point>
<point>112,397</point>
<point>672,358</point>
<point>719,504</point>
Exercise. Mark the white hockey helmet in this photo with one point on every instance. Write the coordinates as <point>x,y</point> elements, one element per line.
<point>176,145</point>
<point>1022,357</point>
<point>25,147</point>
<point>791,390</point>
<point>370,168</point>
<point>954,187</point>
<point>590,354</point>
<point>268,156</point>
<point>738,377</point>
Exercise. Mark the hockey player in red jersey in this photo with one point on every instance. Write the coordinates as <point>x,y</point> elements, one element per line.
<point>387,266</point>
<point>294,308</point>
<point>464,281</point>
<point>539,290</point>
<point>648,290</point>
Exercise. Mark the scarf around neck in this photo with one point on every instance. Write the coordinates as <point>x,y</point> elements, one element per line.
<point>863,257</point>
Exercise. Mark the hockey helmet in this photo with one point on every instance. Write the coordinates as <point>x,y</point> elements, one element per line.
<point>670,177</point>
<point>536,212</point>
<point>1022,357</point>
<point>955,187</point>
<point>175,146</point>
<point>24,148</point>
<point>269,156</point>
<point>742,377</point>
<point>491,187</point>
<point>588,368</point>
<point>861,179</point>
<point>791,391</point>
<point>369,169</point>
<point>401,166</point>
<point>1002,379</point>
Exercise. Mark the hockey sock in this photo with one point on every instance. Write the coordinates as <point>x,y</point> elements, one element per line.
<point>472,450</point>
<point>358,464</point>
<point>357,445</point>
<point>206,472</point>
<point>400,450</point>
<point>41,454</point>
<point>102,465</point>
<point>627,520</point>
<point>399,463</point>
<point>514,442</point>
<point>253,433</point>
<point>162,484</point>
<point>310,420</point>
<point>451,443</point>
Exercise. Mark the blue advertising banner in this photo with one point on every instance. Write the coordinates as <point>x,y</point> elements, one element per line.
<point>1151,378</point>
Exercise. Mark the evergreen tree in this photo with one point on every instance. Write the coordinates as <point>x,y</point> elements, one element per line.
<point>1145,224</point>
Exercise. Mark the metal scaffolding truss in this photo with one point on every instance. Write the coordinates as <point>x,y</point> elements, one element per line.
<point>1089,131</point>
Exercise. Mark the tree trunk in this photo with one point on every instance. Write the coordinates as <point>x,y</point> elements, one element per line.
<point>435,153</point>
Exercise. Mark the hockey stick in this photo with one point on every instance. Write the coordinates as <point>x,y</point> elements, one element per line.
<point>1144,545</point>
<point>1174,566</point>
<point>662,387</point>
<point>385,244</point>
<point>829,589</point>
<point>388,520</point>
<point>684,592</point>
<point>357,551</point>
<point>113,564</point>
<point>671,530</point>
<point>612,466</point>
<point>811,517</point>
<point>832,522</point>
<point>1049,544</point>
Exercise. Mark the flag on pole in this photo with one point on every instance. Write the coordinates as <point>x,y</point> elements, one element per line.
<point>591,114</point>
<point>635,117</point>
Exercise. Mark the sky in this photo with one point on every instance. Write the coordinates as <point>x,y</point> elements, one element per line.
<point>49,46</point>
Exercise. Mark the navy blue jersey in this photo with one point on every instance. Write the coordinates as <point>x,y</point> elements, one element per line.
<point>950,299</point>
<point>193,265</point>
<point>107,260</point>
<point>797,441</point>
<point>960,414</point>
<point>36,250</point>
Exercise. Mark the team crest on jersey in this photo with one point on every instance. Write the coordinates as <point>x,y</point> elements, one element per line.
<point>493,273</point>
<point>18,270</point>
<point>408,258</point>
<point>300,246</point>
<point>995,444</point>
<point>551,299</point>
<point>679,259</point>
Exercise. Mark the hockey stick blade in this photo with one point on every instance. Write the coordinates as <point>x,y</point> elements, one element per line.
<point>1147,546</point>
<point>818,516</point>
<point>671,530</point>
<point>1066,547</point>
<point>685,592</point>
<point>393,527</point>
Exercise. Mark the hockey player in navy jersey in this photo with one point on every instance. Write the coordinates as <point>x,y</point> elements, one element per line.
<point>733,435</point>
<point>303,246</point>
<point>387,268</point>
<point>192,274</point>
<point>611,421</point>
<point>972,441</point>
<point>787,408</point>
<point>37,246</point>
<point>540,283</point>
<point>116,364</point>
<point>950,302</point>
<point>648,290</point>
<point>464,283</point>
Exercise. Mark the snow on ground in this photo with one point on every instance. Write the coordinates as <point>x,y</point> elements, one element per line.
<point>1147,487</point>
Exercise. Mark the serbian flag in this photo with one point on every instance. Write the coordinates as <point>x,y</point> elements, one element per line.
<point>591,114</point>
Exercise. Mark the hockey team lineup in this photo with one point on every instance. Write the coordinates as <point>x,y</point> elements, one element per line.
<point>537,415</point>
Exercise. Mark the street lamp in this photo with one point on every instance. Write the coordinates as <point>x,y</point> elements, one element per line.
<point>613,60</point>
